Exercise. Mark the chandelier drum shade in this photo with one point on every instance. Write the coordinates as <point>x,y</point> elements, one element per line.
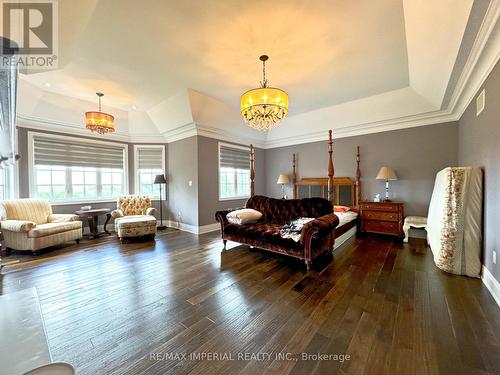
<point>99,121</point>
<point>263,108</point>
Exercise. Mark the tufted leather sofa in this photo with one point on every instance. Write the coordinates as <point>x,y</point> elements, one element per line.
<point>317,236</point>
<point>134,217</point>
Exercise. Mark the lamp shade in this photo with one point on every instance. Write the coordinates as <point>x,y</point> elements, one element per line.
<point>386,173</point>
<point>283,179</point>
<point>160,179</point>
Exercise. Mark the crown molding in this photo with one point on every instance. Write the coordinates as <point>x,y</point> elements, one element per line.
<point>430,118</point>
<point>483,57</point>
<point>480,62</point>
<point>224,135</point>
<point>181,132</point>
<point>44,124</point>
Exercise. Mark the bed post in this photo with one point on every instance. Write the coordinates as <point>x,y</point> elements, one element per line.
<point>252,171</point>
<point>294,177</point>
<point>331,187</point>
<point>358,179</point>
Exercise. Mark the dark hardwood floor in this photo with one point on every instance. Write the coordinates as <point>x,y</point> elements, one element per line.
<point>138,308</point>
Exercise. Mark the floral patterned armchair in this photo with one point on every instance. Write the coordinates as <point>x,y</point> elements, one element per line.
<point>134,217</point>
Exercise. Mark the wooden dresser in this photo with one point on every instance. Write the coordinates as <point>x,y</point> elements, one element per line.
<point>382,217</point>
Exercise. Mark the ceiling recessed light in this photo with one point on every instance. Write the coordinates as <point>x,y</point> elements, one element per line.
<point>47,84</point>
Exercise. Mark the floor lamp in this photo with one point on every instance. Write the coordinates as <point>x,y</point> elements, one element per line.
<point>160,180</point>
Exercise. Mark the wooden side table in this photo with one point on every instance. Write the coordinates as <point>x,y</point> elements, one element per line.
<point>382,217</point>
<point>92,217</point>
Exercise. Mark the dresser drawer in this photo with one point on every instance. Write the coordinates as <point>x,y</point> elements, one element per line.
<point>380,207</point>
<point>390,227</point>
<point>380,215</point>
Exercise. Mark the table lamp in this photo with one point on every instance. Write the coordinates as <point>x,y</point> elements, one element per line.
<point>386,173</point>
<point>160,180</point>
<point>283,180</point>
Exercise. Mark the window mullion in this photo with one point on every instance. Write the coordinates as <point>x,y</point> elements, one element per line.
<point>98,183</point>
<point>69,182</point>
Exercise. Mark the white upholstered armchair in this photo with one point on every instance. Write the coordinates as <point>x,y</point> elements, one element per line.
<point>134,217</point>
<point>29,224</point>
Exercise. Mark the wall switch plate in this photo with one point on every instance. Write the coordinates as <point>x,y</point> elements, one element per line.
<point>480,102</point>
<point>190,183</point>
<point>494,257</point>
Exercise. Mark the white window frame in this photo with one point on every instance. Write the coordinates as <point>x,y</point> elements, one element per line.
<point>4,177</point>
<point>136,166</point>
<point>11,174</point>
<point>237,197</point>
<point>31,165</point>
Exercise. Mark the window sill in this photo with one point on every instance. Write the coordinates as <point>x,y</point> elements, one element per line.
<point>66,203</point>
<point>234,198</point>
<point>110,200</point>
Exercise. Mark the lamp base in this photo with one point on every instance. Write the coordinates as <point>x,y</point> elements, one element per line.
<point>161,227</point>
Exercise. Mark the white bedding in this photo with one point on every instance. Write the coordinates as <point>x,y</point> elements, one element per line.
<point>346,217</point>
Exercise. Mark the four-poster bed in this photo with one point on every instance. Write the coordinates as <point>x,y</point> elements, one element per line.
<point>340,191</point>
<point>323,227</point>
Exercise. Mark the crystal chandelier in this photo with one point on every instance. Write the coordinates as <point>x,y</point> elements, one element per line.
<point>263,108</point>
<point>99,122</point>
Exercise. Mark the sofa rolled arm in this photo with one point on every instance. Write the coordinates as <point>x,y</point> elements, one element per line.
<point>117,213</point>
<point>62,218</point>
<point>17,225</point>
<point>322,225</point>
<point>220,216</point>
<point>151,211</point>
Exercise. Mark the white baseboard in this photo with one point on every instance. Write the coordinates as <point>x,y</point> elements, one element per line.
<point>491,283</point>
<point>209,228</point>
<point>193,228</point>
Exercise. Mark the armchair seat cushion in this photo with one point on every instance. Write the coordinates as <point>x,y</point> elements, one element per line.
<point>42,230</point>
<point>133,221</point>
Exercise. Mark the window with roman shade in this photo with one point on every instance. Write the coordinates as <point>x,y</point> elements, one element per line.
<point>70,169</point>
<point>234,171</point>
<point>3,183</point>
<point>149,162</point>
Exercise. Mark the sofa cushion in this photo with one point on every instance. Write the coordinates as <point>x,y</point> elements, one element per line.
<point>42,230</point>
<point>266,233</point>
<point>133,221</point>
<point>284,210</point>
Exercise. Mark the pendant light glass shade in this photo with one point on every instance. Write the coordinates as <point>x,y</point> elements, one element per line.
<point>99,122</point>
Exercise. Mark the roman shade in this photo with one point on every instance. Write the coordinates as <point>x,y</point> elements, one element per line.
<point>236,158</point>
<point>150,158</point>
<point>52,151</point>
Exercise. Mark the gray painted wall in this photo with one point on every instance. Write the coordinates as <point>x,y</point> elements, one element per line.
<point>416,155</point>
<point>182,168</point>
<point>22,134</point>
<point>479,138</point>
<point>208,172</point>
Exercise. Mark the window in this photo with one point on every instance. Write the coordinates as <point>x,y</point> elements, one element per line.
<point>149,162</point>
<point>234,172</point>
<point>3,183</point>
<point>68,169</point>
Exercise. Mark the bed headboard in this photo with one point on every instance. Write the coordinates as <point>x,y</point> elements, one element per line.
<point>344,191</point>
<point>338,190</point>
